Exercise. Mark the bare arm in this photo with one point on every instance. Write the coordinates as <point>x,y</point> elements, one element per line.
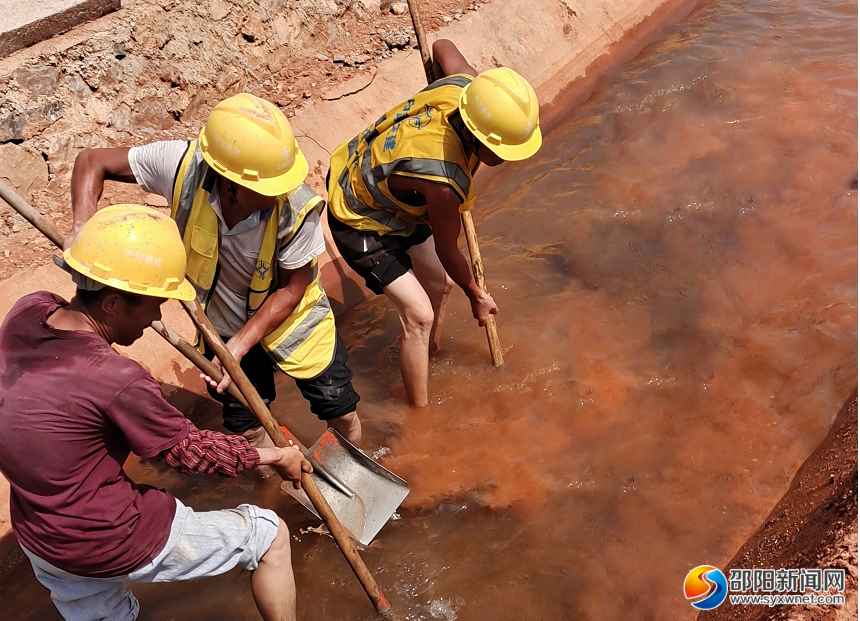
<point>92,168</point>
<point>273,312</point>
<point>212,452</point>
<point>447,60</point>
<point>443,209</point>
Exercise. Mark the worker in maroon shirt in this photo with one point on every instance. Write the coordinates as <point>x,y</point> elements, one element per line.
<point>72,409</point>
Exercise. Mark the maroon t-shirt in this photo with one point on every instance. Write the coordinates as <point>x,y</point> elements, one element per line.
<point>71,409</point>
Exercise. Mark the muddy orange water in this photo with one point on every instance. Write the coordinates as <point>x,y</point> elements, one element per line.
<point>677,277</point>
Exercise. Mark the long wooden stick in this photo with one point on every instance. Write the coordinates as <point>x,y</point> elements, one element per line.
<point>468,224</point>
<point>338,532</point>
<point>44,226</point>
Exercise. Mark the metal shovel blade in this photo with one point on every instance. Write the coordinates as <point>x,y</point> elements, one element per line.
<point>378,492</point>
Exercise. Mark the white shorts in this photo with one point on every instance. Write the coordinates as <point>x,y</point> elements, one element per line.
<point>200,544</point>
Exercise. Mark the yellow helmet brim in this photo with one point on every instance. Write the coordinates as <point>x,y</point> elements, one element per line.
<point>273,186</point>
<point>518,152</point>
<point>183,291</point>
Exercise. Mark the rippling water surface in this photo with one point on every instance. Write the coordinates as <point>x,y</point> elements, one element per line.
<point>677,277</point>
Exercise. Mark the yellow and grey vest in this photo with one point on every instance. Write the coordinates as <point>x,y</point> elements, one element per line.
<point>303,346</point>
<point>414,139</point>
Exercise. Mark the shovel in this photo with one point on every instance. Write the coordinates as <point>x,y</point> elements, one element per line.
<point>364,504</point>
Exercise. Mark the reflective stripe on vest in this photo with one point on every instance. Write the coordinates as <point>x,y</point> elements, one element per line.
<point>414,139</point>
<point>304,344</point>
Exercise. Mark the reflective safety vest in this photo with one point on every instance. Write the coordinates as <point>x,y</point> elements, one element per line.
<point>414,139</point>
<point>303,345</point>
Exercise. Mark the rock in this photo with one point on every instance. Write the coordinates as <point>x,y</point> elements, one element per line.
<point>447,19</point>
<point>398,38</point>
<point>38,80</point>
<point>197,105</point>
<point>253,28</point>
<point>458,16</point>
<point>155,200</point>
<point>371,6</point>
<point>338,58</point>
<point>18,223</point>
<point>120,118</point>
<point>153,112</point>
<point>22,170</point>
<point>25,125</point>
<point>178,101</point>
<point>356,58</point>
<point>413,41</point>
<point>218,10</point>
<point>321,57</point>
<point>306,95</point>
<point>353,85</point>
<point>399,8</point>
<point>231,78</point>
<point>99,110</point>
<point>112,77</point>
<point>76,85</point>
<point>381,32</point>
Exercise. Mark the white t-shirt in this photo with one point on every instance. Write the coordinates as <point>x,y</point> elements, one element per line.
<point>154,166</point>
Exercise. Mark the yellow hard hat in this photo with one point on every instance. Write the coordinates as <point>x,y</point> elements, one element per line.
<point>249,141</point>
<point>134,249</point>
<point>501,109</point>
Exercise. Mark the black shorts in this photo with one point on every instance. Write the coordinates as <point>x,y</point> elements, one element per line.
<point>379,259</point>
<point>330,393</point>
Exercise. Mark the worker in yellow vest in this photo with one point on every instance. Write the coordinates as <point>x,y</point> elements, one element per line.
<point>252,233</point>
<point>397,189</point>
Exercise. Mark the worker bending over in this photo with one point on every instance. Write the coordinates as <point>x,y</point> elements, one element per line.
<point>72,410</point>
<point>397,189</point>
<point>252,233</point>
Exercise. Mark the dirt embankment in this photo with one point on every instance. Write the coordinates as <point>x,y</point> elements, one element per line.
<point>153,70</point>
<point>813,526</point>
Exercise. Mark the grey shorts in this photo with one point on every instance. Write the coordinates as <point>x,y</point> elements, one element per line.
<point>200,544</point>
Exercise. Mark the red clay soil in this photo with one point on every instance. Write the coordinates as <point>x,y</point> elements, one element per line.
<point>813,526</point>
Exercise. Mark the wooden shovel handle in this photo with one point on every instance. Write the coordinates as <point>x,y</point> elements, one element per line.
<point>468,225</point>
<point>258,407</point>
<point>478,269</point>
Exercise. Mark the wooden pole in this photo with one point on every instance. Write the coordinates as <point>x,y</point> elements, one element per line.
<point>44,226</point>
<point>468,224</point>
<point>338,532</point>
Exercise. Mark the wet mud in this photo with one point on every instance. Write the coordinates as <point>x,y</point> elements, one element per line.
<point>677,277</point>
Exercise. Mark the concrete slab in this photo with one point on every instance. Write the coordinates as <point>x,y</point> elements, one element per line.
<point>24,22</point>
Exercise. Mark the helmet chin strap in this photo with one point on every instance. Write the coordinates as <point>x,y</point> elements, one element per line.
<point>466,137</point>
<point>82,282</point>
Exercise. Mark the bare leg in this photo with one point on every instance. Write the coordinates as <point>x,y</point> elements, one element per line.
<point>349,426</point>
<point>416,320</point>
<point>436,282</point>
<point>272,583</point>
